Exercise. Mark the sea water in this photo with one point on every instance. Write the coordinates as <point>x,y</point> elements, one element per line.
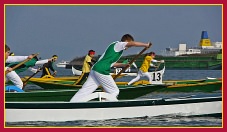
<point>158,121</point>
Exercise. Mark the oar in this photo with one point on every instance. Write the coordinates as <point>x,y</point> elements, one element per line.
<point>157,67</point>
<point>26,81</point>
<point>141,52</point>
<point>22,63</point>
<point>54,74</point>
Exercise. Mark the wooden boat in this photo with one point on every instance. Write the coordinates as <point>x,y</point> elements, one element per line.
<point>56,79</point>
<point>126,92</point>
<point>55,84</point>
<point>206,85</point>
<point>98,110</point>
<point>64,78</point>
<point>64,90</point>
<point>202,85</point>
<point>131,71</point>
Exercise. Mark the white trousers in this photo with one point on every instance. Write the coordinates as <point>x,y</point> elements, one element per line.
<point>141,74</point>
<point>14,78</point>
<point>94,80</point>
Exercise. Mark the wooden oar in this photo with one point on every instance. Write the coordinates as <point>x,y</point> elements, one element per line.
<point>26,81</point>
<point>28,59</point>
<point>134,59</point>
<point>157,67</point>
<point>54,74</point>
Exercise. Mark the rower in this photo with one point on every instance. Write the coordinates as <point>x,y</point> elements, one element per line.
<point>100,72</point>
<point>49,65</point>
<point>143,71</point>
<point>88,63</point>
<point>12,75</point>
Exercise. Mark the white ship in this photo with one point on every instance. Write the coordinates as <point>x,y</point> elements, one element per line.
<point>205,47</point>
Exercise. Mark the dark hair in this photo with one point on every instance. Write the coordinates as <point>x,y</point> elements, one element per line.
<point>54,56</point>
<point>151,53</point>
<point>91,51</point>
<point>7,48</point>
<point>11,54</point>
<point>127,37</point>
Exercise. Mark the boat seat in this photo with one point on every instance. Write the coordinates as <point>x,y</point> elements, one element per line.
<point>101,96</point>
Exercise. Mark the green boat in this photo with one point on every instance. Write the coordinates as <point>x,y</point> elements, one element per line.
<point>64,92</point>
<point>126,92</point>
<point>207,85</point>
<point>203,85</point>
<point>69,84</point>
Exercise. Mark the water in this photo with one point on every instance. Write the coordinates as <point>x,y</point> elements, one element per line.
<point>168,75</point>
<point>159,121</point>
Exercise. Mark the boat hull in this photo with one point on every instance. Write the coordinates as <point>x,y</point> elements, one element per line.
<point>66,78</point>
<point>198,87</point>
<point>64,92</point>
<point>126,92</point>
<point>205,85</point>
<point>66,111</point>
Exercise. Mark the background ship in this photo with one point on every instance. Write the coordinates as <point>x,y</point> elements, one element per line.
<point>208,55</point>
<point>62,64</point>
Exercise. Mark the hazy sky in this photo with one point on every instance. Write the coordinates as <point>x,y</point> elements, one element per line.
<point>70,31</point>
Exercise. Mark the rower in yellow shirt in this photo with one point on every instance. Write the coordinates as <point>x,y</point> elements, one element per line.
<point>88,63</point>
<point>143,71</point>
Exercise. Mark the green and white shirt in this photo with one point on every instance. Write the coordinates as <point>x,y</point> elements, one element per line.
<point>109,57</point>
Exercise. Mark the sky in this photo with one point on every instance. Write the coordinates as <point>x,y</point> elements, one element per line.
<point>71,31</point>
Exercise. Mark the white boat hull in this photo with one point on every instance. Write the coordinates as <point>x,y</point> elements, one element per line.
<point>19,115</point>
<point>111,110</point>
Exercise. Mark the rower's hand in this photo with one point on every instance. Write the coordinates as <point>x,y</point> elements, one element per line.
<point>148,45</point>
<point>51,59</point>
<point>39,69</point>
<point>30,56</point>
<point>9,69</point>
<point>154,66</point>
<point>162,61</point>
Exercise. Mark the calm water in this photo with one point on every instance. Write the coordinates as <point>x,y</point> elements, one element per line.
<point>160,121</point>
